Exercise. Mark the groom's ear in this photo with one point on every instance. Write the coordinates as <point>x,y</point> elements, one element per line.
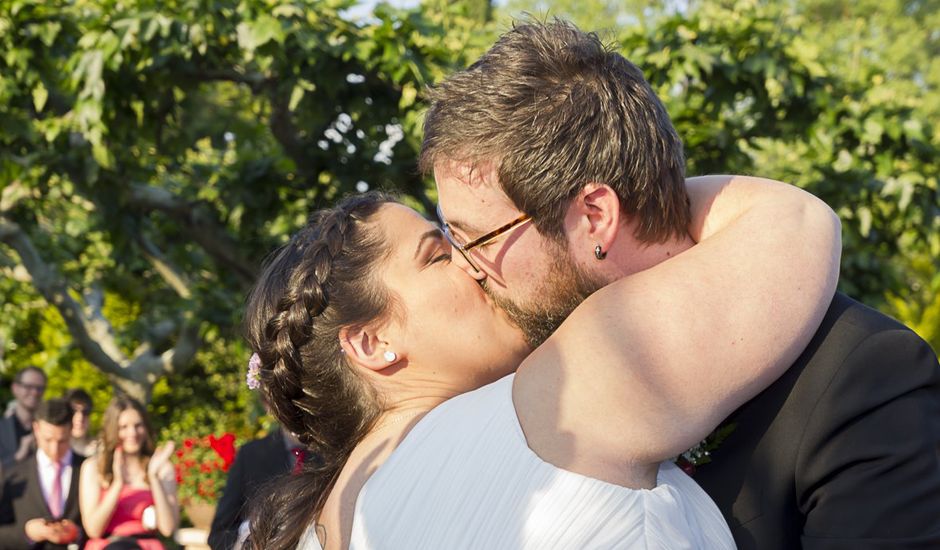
<point>594,216</point>
<point>364,347</point>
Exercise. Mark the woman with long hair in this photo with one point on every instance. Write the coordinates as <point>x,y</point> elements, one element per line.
<point>390,362</point>
<point>128,491</point>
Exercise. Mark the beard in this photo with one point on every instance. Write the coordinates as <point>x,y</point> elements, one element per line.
<point>564,288</point>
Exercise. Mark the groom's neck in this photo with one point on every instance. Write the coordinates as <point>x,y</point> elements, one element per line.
<point>631,256</point>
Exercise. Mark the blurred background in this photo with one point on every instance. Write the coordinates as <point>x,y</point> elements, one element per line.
<point>153,152</point>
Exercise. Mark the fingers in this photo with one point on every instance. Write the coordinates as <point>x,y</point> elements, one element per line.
<point>164,452</point>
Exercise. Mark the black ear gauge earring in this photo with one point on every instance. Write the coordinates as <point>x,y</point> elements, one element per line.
<point>598,253</point>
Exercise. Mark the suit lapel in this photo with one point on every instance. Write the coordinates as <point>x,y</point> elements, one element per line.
<point>71,500</point>
<point>33,497</point>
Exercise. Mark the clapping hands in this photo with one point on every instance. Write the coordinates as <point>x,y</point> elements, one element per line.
<point>119,468</point>
<point>160,467</point>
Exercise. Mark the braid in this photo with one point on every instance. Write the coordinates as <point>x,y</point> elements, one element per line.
<point>312,287</point>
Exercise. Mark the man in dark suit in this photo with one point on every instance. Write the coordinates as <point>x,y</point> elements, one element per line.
<point>16,438</point>
<point>841,452</point>
<point>39,505</point>
<point>256,463</point>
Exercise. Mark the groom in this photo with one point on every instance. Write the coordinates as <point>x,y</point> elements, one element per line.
<point>840,453</point>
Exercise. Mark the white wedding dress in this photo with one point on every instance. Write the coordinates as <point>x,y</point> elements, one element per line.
<point>464,478</point>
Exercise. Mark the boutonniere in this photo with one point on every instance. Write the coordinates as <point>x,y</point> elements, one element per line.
<point>701,454</point>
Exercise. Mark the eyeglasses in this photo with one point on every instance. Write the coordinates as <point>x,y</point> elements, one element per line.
<point>487,238</point>
<point>31,387</point>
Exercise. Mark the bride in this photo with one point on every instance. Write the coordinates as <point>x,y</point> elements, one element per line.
<point>394,366</point>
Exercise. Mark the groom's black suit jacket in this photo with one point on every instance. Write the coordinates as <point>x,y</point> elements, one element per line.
<point>843,451</point>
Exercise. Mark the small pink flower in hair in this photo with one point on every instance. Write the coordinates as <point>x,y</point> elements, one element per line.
<point>254,372</point>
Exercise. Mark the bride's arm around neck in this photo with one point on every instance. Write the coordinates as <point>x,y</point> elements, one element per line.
<point>650,364</point>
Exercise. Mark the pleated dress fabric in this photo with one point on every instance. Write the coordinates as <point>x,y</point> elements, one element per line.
<point>464,478</point>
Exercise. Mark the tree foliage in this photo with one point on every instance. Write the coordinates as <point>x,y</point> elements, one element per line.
<point>151,154</point>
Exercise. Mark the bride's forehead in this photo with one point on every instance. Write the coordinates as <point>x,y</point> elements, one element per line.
<point>402,217</point>
<point>402,225</point>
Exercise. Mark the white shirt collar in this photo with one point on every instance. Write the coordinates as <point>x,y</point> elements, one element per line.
<point>45,462</point>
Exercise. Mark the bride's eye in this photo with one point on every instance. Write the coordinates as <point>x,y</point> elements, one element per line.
<point>443,257</point>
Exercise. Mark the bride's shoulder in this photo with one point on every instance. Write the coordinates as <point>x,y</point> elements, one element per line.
<point>334,524</point>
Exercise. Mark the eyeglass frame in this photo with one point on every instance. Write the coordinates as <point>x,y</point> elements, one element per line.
<point>486,238</point>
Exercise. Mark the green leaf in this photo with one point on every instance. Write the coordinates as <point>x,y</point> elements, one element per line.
<point>102,155</point>
<point>265,29</point>
<point>864,220</point>
<point>40,95</point>
<point>295,96</point>
<point>844,161</point>
<point>873,131</point>
<point>408,95</point>
<point>246,37</point>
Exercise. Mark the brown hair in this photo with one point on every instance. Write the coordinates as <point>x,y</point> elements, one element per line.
<point>555,109</point>
<point>110,439</point>
<point>310,288</point>
<point>57,412</point>
<point>78,396</point>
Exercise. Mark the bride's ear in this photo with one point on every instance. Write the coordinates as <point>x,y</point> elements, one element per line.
<point>365,347</point>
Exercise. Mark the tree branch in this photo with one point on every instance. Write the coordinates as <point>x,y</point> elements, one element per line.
<point>91,330</point>
<point>173,277</point>
<point>13,270</point>
<point>286,133</point>
<point>204,230</point>
<point>93,337</point>
<point>255,81</point>
<point>12,194</point>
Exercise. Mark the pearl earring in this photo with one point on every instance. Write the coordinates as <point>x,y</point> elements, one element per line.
<point>390,356</point>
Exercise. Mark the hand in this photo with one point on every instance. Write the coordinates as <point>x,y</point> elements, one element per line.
<point>25,448</point>
<point>39,530</point>
<point>160,461</point>
<point>118,471</point>
<point>64,531</point>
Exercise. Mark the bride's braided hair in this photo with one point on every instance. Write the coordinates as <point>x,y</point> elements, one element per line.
<point>310,288</point>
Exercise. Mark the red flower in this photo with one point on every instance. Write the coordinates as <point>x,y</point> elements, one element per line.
<point>201,466</point>
<point>224,447</point>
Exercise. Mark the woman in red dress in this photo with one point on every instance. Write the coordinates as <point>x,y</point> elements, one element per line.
<point>128,491</point>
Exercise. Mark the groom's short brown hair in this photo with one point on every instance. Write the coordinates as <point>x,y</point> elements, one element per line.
<point>555,109</point>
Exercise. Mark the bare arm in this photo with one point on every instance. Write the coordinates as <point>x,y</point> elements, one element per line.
<point>163,487</point>
<point>96,508</point>
<point>648,365</point>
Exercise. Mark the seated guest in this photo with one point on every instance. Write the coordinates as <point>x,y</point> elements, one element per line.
<point>39,509</point>
<point>257,462</point>
<point>16,438</point>
<point>80,401</point>
<point>128,491</point>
